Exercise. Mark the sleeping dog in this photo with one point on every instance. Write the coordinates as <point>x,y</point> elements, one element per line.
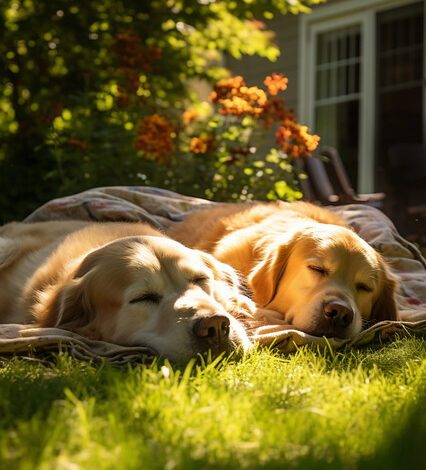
<point>124,283</point>
<point>307,269</point>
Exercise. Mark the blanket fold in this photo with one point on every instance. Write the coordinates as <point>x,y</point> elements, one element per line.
<point>26,339</point>
<point>161,208</point>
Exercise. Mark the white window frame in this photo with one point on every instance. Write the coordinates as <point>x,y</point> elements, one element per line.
<point>327,18</point>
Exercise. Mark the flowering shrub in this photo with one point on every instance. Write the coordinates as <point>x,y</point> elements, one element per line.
<point>98,93</point>
<point>227,141</point>
<point>216,154</point>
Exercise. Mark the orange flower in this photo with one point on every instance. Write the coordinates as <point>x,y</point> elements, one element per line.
<point>282,135</point>
<point>235,98</point>
<point>273,110</point>
<point>155,137</point>
<point>239,106</point>
<point>227,88</point>
<point>295,139</point>
<point>201,145</point>
<point>189,116</point>
<point>275,83</point>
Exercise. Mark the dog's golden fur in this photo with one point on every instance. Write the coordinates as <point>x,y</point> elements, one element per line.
<point>301,261</point>
<point>120,282</point>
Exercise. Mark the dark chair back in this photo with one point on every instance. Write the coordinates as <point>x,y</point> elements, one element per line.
<point>328,183</point>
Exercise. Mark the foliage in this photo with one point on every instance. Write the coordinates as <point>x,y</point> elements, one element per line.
<point>83,82</point>
<point>360,408</point>
<point>227,140</point>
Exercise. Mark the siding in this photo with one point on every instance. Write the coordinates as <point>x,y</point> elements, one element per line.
<point>254,69</point>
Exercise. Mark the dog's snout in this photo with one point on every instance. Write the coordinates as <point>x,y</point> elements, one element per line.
<point>214,328</point>
<point>338,313</point>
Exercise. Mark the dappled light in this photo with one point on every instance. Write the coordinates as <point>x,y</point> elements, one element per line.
<point>106,93</point>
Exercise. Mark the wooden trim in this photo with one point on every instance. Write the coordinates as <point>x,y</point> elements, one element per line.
<point>366,155</point>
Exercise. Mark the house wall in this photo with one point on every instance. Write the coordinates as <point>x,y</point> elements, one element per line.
<point>254,69</point>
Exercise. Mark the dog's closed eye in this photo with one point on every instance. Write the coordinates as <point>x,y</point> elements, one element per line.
<point>363,287</point>
<point>147,297</point>
<point>318,269</point>
<point>199,280</point>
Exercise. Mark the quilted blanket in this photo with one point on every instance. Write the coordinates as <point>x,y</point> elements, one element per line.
<point>161,208</point>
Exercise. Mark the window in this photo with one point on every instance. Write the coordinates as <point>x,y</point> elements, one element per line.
<point>362,90</point>
<point>337,93</point>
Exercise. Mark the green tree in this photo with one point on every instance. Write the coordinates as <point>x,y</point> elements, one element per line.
<point>79,81</point>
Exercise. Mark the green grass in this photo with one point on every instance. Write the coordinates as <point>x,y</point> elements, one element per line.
<point>363,408</point>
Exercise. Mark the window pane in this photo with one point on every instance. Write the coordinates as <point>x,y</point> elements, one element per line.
<point>338,126</point>
<point>337,97</point>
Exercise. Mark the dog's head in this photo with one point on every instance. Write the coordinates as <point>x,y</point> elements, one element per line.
<point>153,291</point>
<point>325,280</point>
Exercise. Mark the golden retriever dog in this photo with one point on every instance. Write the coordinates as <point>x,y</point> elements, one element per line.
<point>305,266</point>
<point>124,283</point>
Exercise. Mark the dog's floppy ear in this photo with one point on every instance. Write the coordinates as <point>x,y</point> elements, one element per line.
<point>72,309</point>
<point>385,307</point>
<point>73,306</point>
<point>265,276</point>
<point>221,271</point>
<point>237,295</point>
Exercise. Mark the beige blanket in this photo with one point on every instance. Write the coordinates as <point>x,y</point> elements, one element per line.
<point>162,208</point>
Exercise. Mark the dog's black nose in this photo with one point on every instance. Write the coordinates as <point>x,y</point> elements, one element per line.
<point>338,313</point>
<point>214,328</point>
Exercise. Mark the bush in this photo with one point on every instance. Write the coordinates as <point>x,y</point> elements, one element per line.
<point>101,93</point>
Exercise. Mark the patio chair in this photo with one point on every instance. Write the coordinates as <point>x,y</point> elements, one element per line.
<point>328,183</point>
<point>314,181</point>
<point>337,173</point>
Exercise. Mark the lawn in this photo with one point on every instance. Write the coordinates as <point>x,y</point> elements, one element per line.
<point>359,408</point>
